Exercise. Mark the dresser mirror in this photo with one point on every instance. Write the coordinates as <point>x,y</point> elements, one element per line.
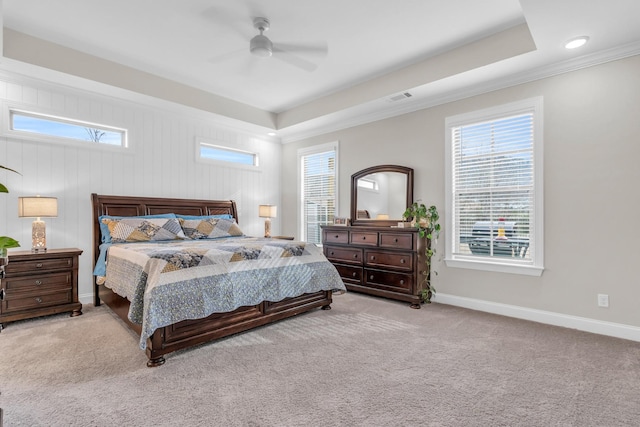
<point>380,195</point>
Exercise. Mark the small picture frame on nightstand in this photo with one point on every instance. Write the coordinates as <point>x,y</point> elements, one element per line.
<point>340,221</point>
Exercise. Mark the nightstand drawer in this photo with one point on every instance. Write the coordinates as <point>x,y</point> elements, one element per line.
<point>48,282</point>
<point>397,260</point>
<point>396,240</point>
<point>30,302</point>
<point>349,255</point>
<point>33,266</point>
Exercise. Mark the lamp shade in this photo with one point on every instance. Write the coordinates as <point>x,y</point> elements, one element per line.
<point>36,207</point>
<point>268,211</point>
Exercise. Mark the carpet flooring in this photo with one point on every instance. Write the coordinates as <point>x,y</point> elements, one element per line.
<point>366,362</point>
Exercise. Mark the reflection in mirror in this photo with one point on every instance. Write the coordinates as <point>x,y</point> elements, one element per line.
<point>380,195</point>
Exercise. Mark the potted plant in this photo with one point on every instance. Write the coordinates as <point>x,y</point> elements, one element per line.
<point>6,242</point>
<point>426,220</point>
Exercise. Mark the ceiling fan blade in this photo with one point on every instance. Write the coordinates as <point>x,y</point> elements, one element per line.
<point>294,60</point>
<point>316,49</point>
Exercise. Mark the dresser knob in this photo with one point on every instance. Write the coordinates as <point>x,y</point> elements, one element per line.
<point>354,274</point>
<point>395,240</point>
<point>402,282</point>
<point>402,261</point>
<point>331,253</point>
<point>355,255</point>
<point>38,300</point>
<point>371,277</point>
<point>38,282</point>
<point>337,236</point>
<point>373,258</point>
<point>39,265</point>
<point>364,237</point>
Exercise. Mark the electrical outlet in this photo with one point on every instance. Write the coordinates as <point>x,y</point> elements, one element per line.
<point>603,300</point>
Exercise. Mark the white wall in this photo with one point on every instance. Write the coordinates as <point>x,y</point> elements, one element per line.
<point>591,174</point>
<point>160,163</point>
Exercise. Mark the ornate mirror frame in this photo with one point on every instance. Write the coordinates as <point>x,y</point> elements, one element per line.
<point>408,172</point>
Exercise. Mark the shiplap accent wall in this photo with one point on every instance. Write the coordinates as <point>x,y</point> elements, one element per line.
<point>161,162</point>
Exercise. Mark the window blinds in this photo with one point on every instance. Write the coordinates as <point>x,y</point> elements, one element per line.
<point>493,187</point>
<point>318,193</point>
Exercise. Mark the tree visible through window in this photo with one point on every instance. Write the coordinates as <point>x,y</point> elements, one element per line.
<point>318,195</point>
<point>494,189</point>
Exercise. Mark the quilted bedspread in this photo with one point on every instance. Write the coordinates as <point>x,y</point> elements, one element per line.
<point>167,282</point>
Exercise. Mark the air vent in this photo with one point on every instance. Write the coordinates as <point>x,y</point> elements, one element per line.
<point>399,97</point>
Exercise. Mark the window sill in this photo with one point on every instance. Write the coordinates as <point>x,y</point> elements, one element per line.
<point>526,270</point>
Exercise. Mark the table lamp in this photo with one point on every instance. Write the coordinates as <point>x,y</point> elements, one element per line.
<point>268,212</point>
<point>38,207</point>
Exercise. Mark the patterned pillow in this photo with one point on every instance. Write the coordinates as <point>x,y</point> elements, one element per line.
<point>104,229</point>
<point>210,228</point>
<point>137,229</point>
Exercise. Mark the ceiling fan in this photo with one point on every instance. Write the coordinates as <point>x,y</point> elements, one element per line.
<point>261,46</point>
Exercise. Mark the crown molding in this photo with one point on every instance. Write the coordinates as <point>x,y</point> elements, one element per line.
<point>385,110</point>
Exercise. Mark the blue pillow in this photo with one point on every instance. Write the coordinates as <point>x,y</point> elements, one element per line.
<point>222,216</point>
<point>104,228</point>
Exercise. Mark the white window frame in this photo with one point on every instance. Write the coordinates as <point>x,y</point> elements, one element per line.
<point>49,138</point>
<point>200,141</point>
<point>535,266</point>
<point>302,152</point>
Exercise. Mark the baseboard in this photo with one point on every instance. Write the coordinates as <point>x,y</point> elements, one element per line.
<point>617,330</point>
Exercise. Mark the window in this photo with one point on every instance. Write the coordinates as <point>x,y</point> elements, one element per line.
<point>318,193</point>
<point>494,189</point>
<point>368,184</point>
<point>58,127</point>
<point>224,154</point>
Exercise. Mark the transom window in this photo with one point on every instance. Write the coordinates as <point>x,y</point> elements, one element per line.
<point>59,127</point>
<point>225,154</point>
<point>494,188</point>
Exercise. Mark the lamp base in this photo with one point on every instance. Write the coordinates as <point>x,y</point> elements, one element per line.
<point>38,236</point>
<point>267,227</point>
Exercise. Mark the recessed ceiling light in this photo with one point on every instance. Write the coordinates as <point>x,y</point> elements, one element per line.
<point>576,42</point>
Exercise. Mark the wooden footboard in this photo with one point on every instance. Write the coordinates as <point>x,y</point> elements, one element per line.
<point>189,333</point>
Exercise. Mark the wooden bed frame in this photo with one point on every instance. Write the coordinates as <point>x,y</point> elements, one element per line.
<point>189,333</point>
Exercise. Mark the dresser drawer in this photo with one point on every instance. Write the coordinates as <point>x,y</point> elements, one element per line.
<point>336,236</point>
<point>396,260</point>
<point>33,266</point>
<point>30,302</point>
<point>396,240</point>
<point>36,284</point>
<point>349,255</point>
<point>349,273</point>
<point>398,282</point>
<point>364,238</point>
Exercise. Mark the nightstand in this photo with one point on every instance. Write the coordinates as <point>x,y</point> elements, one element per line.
<point>40,284</point>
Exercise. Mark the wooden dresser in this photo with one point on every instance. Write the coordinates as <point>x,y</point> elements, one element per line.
<point>382,261</point>
<point>39,284</point>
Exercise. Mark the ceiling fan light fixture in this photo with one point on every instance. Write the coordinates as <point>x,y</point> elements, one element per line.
<point>261,46</point>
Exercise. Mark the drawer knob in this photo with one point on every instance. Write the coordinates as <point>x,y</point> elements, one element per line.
<point>364,237</point>
<point>371,277</point>
<point>38,282</point>
<point>331,253</point>
<point>355,255</point>
<point>354,274</point>
<point>373,258</point>
<point>337,236</point>
<point>38,300</point>
<point>39,265</point>
<point>395,240</point>
<point>402,282</point>
<point>402,261</point>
